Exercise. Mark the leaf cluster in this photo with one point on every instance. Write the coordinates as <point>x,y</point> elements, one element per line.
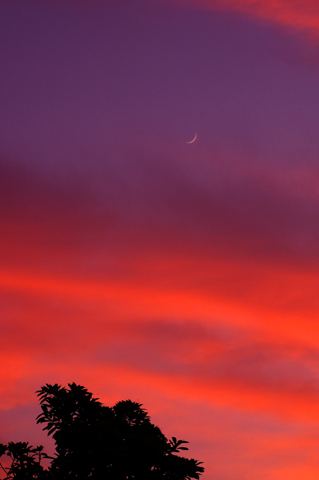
<point>25,461</point>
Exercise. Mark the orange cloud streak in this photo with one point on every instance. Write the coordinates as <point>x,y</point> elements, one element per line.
<point>138,382</point>
<point>268,303</point>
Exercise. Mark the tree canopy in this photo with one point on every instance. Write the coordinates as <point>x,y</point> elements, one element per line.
<point>96,442</point>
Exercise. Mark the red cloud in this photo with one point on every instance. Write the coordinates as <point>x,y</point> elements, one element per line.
<point>301,14</point>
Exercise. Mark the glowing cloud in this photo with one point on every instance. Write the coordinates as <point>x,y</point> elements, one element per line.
<point>301,14</point>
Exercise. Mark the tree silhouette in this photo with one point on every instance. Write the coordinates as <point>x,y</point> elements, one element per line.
<point>96,442</point>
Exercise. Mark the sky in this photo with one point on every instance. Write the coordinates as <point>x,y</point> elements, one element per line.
<point>183,276</point>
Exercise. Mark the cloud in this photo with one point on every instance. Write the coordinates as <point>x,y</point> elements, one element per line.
<point>155,276</point>
<point>230,240</point>
<point>298,14</point>
<point>210,362</point>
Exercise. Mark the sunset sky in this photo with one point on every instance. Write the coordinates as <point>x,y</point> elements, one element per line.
<point>183,276</point>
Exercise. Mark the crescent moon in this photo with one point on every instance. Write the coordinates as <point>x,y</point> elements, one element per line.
<point>192,141</point>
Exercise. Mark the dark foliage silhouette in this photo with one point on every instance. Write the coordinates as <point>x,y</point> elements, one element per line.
<point>25,461</point>
<point>96,442</point>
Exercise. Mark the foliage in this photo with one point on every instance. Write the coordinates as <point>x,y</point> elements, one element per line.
<point>95,442</point>
<point>25,461</point>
